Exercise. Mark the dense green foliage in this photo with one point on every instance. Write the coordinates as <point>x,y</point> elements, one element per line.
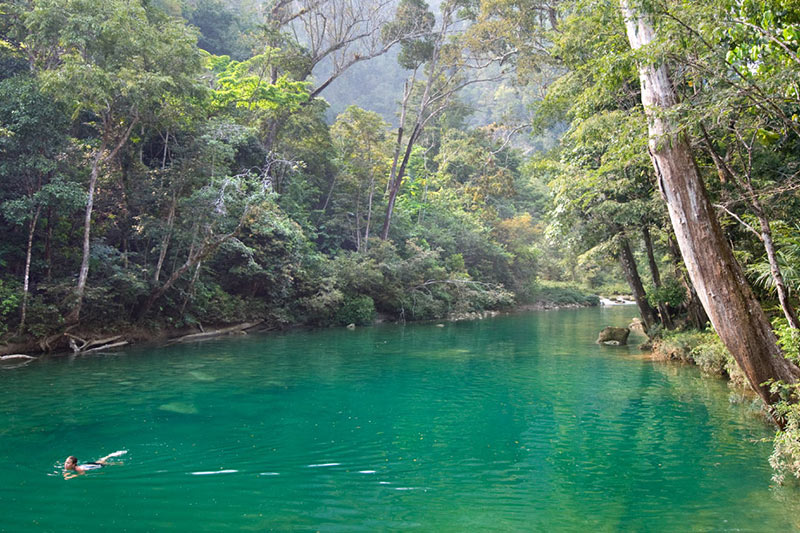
<point>218,191</point>
<point>173,163</point>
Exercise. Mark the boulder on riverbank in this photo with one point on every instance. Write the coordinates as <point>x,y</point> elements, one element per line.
<point>613,336</point>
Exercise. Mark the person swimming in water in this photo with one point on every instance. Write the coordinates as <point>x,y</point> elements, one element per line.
<point>73,469</point>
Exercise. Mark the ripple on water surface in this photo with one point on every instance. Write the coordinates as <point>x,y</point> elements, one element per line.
<point>514,423</point>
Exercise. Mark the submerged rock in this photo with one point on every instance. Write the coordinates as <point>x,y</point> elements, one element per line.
<point>201,376</point>
<point>181,408</point>
<point>613,336</point>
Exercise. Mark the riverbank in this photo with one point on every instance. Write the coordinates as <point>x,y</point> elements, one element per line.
<point>77,340</point>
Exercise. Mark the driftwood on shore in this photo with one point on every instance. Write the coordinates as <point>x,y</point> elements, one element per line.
<point>16,358</point>
<point>95,345</point>
<point>239,328</point>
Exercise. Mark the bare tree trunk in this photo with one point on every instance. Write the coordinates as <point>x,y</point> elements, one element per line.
<point>74,315</point>
<point>765,231</point>
<point>635,283</point>
<point>369,211</point>
<point>734,311</point>
<point>26,280</point>
<point>99,158</point>
<point>663,311</point>
<point>777,277</point>
<point>398,180</point>
<point>165,241</point>
<point>391,188</point>
<point>330,193</point>
<point>48,244</point>
<point>190,292</point>
<point>194,257</point>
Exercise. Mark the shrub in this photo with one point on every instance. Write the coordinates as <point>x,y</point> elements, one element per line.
<point>711,355</point>
<point>561,293</point>
<point>788,339</point>
<point>359,310</point>
<point>671,293</point>
<point>785,458</point>
<point>10,300</point>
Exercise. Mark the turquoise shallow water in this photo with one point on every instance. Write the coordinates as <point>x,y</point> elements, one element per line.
<point>517,423</point>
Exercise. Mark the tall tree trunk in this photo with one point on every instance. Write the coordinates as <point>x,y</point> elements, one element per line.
<point>190,291</point>
<point>99,157</point>
<point>635,283</point>
<point>26,280</point>
<point>730,303</point>
<point>358,219</point>
<point>165,241</point>
<point>48,244</point>
<point>777,276</point>
<point>369,210</point>
<point>765,231</point>
<point>663,311</point>
<point>74,315</point>
<point>398,180</point>
<point>396,175</point>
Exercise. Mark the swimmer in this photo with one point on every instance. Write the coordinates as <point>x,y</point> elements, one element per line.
<point>71,464</point>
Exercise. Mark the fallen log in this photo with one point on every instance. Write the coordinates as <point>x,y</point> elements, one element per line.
<point>16,358</point>
<point>107,346</point>
<point>216,332</point>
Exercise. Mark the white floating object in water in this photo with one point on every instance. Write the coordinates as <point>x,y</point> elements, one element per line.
<point>321,465</point>
<point>269,474</point>
<point>214,472</point>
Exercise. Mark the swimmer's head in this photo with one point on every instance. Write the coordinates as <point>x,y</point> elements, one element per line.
<point>70,463</point>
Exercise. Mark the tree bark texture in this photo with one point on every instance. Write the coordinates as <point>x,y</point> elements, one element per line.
<point>730,303</point>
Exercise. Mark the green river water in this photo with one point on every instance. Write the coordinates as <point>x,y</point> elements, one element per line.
<point>515,423</point>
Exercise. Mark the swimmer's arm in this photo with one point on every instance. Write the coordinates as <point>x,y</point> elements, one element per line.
<point>69,475</point>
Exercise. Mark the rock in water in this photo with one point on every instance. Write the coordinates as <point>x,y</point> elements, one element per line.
<point>201,376</point>
<point>182,408</point>
<point>612,335</point>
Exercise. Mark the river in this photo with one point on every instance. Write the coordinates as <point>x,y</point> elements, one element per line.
<point>513,423</point>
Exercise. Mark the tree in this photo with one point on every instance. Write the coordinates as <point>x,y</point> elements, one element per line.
<point>110,62</point>
<point>733,309</point>
<point>444,65</point>
<point>361,139</point>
